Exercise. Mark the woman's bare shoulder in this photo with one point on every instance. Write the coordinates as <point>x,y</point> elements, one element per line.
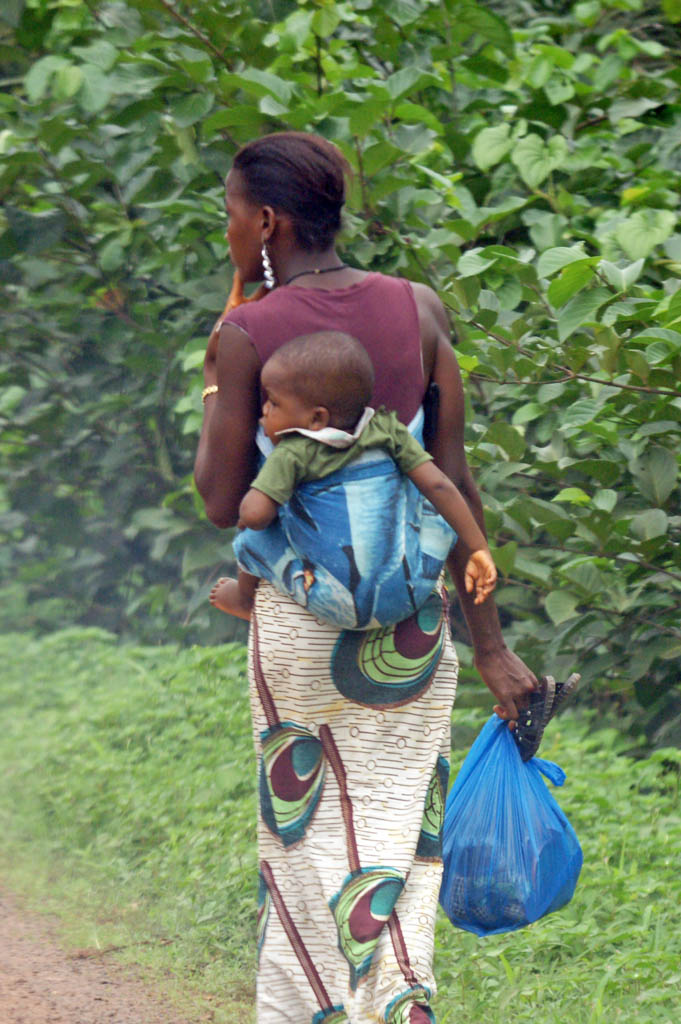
<point>430,307</point>
<point>238,362</point>
<point>434,326</point>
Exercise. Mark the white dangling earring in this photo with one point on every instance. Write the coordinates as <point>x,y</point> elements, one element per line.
<point>270,280</point>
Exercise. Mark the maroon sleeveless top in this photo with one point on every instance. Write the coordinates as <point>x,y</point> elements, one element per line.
<point>379,311</point>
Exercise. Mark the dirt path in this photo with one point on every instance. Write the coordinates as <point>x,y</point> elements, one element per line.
<point>40,983</point>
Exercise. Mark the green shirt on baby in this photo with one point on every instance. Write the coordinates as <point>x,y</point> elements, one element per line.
<point>299,457</point>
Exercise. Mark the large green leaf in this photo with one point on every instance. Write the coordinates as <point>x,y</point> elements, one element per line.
<point>559,89</point>
<point>506,437</point>
<point>581,412</point>
<point>67,81</point>
<point>581,310</point>
<point>560,605</point>
<point>603,470</point>
<point>536,159</point>
<point>39,75</point>
<point>573,496</point>
<point>668,337</point>
<point>100,53</point>
<point>571,280</point>
<point>561,256</point>
<point>96,89</point>
<point>192,108</point>
<point>656,473</point>
<point>407,80</point>
<point>650,524</point>
<point>491,145</point>
<point>325,20</point>
<point>258,83</point>
<point>403,12</point>
<point>621,278</point>
<point>472,262</point>
<point>487,24</point>
<point>639,234</point>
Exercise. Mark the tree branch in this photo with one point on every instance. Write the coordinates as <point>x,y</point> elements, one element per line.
<point>362,180</point>
<point>608,612</point>
<point>569,374</point>
<point>196,32</point>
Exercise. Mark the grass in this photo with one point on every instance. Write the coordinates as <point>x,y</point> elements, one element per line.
<point>128,807</point>
<point>129,799</point>
<point>614,953</point>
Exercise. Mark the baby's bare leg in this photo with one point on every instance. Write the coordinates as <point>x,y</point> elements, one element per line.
<point>235,596</point>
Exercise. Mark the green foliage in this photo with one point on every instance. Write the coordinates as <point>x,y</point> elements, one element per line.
<point>524,160</point>
<point>129,797</point>
<point>134,768</point>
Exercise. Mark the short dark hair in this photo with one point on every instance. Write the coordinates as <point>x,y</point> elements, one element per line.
<point>301,174</point>
<point>332,369</point>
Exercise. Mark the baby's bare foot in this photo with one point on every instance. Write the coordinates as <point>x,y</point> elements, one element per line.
<point>214,590</point>
<point>227,596</point>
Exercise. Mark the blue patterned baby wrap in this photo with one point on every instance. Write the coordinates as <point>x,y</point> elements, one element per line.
<point>360,549</point>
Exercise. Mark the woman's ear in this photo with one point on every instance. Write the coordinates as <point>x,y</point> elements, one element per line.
<point>269,222</point>
<point>320,418</point>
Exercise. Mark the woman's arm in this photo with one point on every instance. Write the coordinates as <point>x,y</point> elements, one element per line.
<point>505,674</point>
<point>226,456</point>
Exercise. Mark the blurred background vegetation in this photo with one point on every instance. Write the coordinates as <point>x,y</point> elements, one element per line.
<point>524,158</point>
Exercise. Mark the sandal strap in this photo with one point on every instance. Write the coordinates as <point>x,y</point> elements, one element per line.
<point>564,691</point>
<point>533,719</point>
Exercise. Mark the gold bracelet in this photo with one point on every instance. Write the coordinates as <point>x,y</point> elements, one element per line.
<point>212,389</point>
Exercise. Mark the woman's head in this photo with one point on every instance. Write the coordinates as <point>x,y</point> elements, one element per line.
<point>298,174</point>
<point>316,380</point>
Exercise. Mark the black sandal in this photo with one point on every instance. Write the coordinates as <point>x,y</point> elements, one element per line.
<point>533,719</point>
<point>564,691</point>
<point>544,703</point>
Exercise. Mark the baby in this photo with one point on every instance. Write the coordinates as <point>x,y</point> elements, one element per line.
<point>315,413</point>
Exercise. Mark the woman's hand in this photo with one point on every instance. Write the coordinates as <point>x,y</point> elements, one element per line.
<point>508,678</point>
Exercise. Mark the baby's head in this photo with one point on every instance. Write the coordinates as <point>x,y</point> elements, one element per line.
<point>314,381</point>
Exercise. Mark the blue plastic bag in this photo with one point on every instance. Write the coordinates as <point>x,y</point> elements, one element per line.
<point>510,854</point>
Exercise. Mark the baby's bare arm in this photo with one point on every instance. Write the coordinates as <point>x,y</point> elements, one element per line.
<point>448,500</point>
<point>256,510</point>
<point>480,573</point>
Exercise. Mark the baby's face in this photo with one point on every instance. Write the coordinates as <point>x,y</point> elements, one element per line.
<point>282,408</point>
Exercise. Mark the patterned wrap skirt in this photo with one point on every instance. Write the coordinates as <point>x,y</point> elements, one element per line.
<point>352,736</point>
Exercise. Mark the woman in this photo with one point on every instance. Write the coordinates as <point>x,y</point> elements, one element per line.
<point>351,729</point>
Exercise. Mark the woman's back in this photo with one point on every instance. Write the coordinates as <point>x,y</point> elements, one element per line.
<point>379,311</point>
